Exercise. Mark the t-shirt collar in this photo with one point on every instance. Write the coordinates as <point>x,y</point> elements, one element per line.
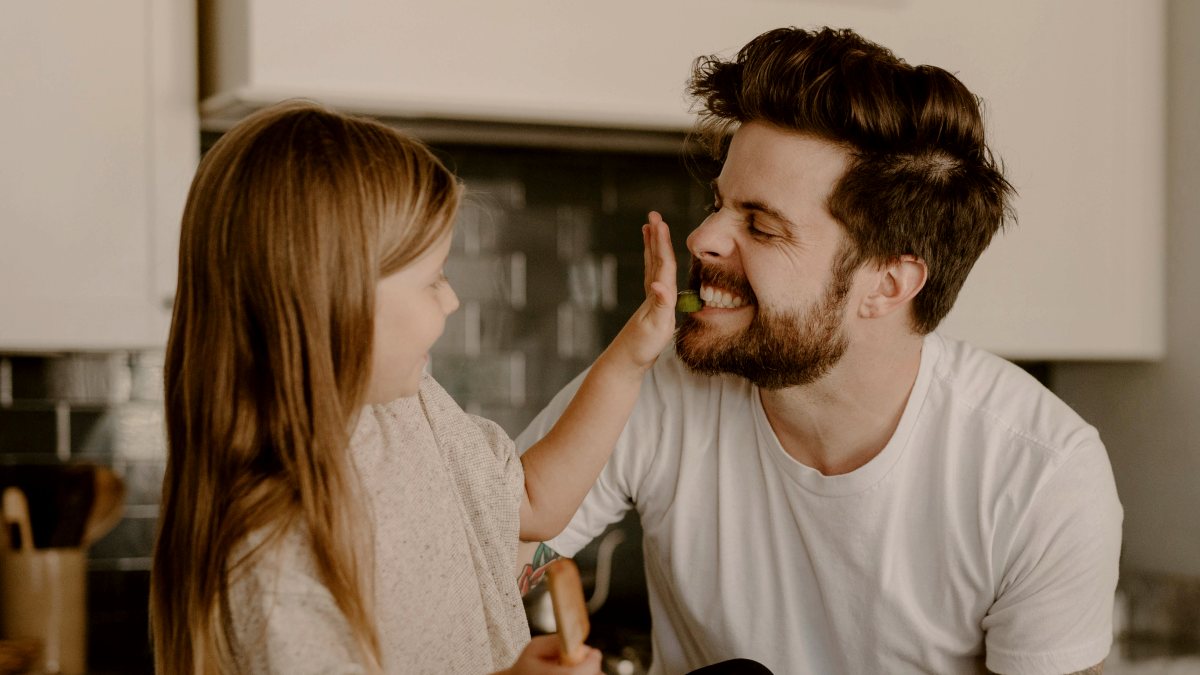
<point>869,474</point>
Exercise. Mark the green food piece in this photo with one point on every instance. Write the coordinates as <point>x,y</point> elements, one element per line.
<point>688,302</point>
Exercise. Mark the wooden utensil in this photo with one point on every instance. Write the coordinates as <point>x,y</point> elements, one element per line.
<point>16,520</point>
<point>68,489</point>
<point>108,505</point>
<point>570,609</point>
<point>18,655</point>
<point>44,594</point>
<point>58,498</point>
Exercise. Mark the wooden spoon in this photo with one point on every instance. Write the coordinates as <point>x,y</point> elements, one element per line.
<point>108,505</point>
<point>570,610</point>
<point>16,519</point>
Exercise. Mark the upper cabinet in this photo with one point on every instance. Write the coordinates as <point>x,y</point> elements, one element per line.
<point>100,138</point>
<point>1074,94</point>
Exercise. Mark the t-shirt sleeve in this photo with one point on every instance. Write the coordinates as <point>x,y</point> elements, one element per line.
<point>285,621</point>
<point>609,498</point>
<point>1054,609</point>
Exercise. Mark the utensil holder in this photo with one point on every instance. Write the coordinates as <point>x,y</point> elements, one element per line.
<point>43,596</point>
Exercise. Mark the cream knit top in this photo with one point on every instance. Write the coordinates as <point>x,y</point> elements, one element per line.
<point>445,489</point>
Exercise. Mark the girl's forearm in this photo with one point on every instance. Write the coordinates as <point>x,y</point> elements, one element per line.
<point>562,466</point>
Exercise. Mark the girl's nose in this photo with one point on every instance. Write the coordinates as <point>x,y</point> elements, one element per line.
<point>450,301</point>
<point>713,238</point>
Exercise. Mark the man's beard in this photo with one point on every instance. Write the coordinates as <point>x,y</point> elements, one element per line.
<point>777,349</point>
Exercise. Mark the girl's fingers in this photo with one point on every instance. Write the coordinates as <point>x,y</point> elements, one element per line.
<point>658,258</point>
<point>666,255</point>
<point>647,244</point>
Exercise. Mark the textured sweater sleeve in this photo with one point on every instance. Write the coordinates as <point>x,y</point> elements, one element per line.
<point>507,459</point>
<point>284,620</point>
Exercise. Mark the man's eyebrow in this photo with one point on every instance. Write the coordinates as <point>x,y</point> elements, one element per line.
<point>756,207</point>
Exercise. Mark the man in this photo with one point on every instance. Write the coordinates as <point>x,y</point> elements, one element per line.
<point>826,484</point>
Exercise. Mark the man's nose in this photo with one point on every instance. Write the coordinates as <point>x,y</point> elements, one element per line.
<point>713,238</point>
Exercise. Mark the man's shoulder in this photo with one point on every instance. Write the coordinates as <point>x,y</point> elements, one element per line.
<point>1004,401</point>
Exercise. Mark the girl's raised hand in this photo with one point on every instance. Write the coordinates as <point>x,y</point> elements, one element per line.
<point>651,327</point>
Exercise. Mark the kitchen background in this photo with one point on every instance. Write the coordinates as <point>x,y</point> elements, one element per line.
<point>565,137</point>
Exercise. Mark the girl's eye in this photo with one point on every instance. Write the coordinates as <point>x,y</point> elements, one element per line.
<point>440,281</point>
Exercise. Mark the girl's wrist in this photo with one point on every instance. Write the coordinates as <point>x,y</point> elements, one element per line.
<point>619,362</point>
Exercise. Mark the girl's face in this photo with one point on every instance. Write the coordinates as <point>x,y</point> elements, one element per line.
<point>411,306</point>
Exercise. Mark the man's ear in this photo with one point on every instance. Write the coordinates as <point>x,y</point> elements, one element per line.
<point>897,282</point>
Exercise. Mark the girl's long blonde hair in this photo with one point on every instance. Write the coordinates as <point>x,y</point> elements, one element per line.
<point>292,218</point>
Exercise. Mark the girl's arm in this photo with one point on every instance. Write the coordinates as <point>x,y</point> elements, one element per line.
<point>561,468</point>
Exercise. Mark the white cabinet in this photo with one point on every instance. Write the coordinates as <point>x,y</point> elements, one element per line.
<point>1074,89</point>
<point>99,137</point>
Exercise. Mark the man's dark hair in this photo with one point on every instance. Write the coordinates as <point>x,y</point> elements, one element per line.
<point>920,180</point>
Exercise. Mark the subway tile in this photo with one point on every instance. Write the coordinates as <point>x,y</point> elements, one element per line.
<point>630,281</point>
<point>477,329</point>
<point>120,564</point>
<point>6,381</point>
<point>133,537</point>
<point>146,376</point>
<point>512,419</point>
<point>28,431</point>
<point>139,431</point>
<point>92,433</point>
<point>498,379</point>
<point>488,278</point>
<point>573,232</point>
<point>577,332</point>
<point>91,377</point>
<point>548,283</point>
<point>622,232</point>
<point>535,231</point>
<point>645,183</point>
<point>608,324</point>
<point>558,179</point>
<point>78,378</point>
<point>495,193</point>
<point>29,377</point>
<point>143,481</point>
<point>547,373</point>
<point>592,281</point>
<point>618,231</point>
<point>477,229</point>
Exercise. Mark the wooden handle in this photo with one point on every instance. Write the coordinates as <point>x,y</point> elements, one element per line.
<point>570,609</point>
<point>108,505</point>
<point>16,513</point>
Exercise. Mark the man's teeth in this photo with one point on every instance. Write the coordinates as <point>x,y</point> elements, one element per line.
<point>715,297</point>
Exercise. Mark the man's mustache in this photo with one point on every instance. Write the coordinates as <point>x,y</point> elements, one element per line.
<point>700,274</point>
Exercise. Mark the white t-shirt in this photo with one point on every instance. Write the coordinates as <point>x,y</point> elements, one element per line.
<point>988,526</point>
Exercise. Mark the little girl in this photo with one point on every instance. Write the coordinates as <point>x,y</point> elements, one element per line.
<point>327,508</point>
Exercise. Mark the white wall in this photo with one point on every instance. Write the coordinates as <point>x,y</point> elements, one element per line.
<point>1149,415</point>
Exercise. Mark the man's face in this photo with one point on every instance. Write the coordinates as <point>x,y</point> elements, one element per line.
<point>766,263</point>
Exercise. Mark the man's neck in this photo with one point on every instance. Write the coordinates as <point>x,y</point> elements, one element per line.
<point>845,419</point>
